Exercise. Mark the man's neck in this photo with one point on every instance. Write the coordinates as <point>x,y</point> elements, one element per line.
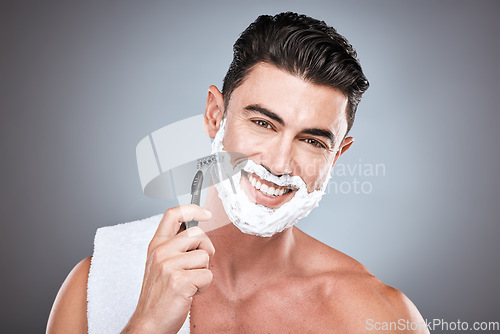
<point>240,259</point>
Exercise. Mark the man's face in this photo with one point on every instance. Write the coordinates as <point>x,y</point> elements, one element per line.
<point>287,125</point>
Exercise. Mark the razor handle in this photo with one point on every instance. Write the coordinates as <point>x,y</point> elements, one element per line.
<point>195,194</point>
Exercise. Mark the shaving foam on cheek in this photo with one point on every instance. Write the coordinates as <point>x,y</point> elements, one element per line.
<point>256,219</point>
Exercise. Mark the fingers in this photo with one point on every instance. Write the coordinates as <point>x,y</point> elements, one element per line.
<point>183,258</point>
<point>190,282</point>
<point>170,251</point>
<point>196,259</point>
<point>201,278</point>
<point>177,268</point>
<point>188,240</point>
<point>185,242</point>
<point>193,238</point>
<point>169,225</point>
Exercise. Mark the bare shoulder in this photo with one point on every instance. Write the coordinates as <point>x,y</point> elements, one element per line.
<point>69,312</point>
<point>356,300</point>
<point>380,307</point>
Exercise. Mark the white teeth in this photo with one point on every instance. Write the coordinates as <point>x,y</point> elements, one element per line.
<point>252,180</point>
<point>269,191</point>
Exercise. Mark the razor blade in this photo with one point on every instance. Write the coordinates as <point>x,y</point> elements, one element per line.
<point>169,158</point>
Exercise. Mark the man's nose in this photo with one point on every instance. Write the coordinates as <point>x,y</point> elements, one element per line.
<point>279,156</point>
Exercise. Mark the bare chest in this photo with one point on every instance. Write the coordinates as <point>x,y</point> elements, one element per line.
<point>289,308</point>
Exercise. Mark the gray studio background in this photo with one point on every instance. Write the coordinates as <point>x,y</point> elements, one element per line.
<point>82,82</point>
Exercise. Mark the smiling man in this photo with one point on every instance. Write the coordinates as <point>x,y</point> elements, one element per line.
<point>288,102</point>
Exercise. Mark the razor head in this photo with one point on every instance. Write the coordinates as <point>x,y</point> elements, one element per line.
<point>169,158</point>
<point>205,162</point>
<point>215,168</point>
<point>197,174</point>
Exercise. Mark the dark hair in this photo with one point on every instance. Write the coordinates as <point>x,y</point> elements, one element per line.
<point>302,46</point>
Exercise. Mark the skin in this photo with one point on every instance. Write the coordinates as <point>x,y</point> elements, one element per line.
<point>239,283</point>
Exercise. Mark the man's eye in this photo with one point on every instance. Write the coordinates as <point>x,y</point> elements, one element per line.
<point>262,123</point>
<point>314,142</point>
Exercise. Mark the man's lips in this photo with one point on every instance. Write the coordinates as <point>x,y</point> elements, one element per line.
<point>264,192</point>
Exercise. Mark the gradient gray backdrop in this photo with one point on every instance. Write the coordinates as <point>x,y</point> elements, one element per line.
<point>81,82</point>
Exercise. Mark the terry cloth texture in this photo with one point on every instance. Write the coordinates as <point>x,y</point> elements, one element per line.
<point>116,274</point>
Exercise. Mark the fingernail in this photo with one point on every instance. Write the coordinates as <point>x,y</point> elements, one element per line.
<point>208,213</point>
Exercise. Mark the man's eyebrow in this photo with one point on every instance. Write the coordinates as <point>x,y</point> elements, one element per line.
<point>264,111</point>
<point>321,133</point>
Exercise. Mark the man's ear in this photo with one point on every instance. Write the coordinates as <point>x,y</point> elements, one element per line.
<point>344,146</point>
<point>214,111</point>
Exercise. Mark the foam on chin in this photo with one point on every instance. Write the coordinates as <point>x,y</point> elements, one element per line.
<point>256,219</point>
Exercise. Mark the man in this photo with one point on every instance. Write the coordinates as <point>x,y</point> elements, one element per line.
<point>287,103</point>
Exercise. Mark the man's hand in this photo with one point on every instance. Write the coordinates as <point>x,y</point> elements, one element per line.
<point>176,270</point>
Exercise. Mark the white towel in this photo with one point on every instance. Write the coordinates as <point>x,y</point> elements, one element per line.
<point>116,274</point>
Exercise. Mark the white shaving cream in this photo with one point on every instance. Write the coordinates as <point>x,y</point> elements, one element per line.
<point>257,219</point>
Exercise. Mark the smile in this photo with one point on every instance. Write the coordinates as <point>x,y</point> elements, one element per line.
<point>267,188</point>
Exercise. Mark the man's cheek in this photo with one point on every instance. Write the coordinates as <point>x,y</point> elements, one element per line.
<point>250,145</point>
<point>308,171</point>
<point>314,176</point>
